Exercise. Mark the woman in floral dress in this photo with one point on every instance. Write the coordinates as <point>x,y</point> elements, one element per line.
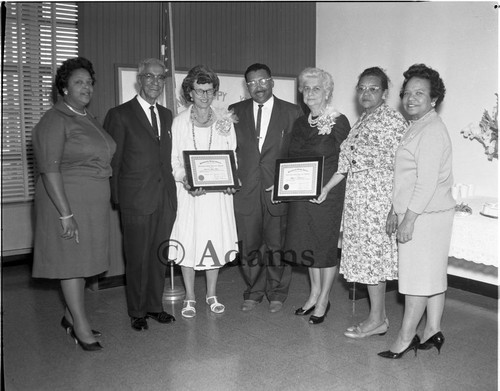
<point>369,255</point>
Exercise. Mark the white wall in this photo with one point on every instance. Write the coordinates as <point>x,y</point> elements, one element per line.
<point>459,40</point>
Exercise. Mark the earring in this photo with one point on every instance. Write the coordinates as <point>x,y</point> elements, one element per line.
<point>433,104</point>
<point>66,92</point>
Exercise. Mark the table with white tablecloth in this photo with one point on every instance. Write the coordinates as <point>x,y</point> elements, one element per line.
<point>474,243</point>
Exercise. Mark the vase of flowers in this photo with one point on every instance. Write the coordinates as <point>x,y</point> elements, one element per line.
<point>486,132</point>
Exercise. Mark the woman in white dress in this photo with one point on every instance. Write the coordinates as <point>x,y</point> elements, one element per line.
<point>205,228</point>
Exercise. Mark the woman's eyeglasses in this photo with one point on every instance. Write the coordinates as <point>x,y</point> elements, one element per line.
<point>370,89</point>
<point>313,91</point>
<point>201,93</point>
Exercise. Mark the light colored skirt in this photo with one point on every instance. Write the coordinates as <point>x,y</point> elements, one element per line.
<point>423,261</point>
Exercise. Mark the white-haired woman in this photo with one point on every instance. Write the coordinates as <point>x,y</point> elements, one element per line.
<point>313,226</point>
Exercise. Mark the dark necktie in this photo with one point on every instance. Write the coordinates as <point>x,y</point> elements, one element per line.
<point>153,121</point>
<point>259,119</point>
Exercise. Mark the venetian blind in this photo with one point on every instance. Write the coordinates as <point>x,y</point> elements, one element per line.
<point>38,38</point>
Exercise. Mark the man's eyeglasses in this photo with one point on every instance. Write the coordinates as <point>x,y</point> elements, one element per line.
<point>201,92</point>
<point>260,82</point>
<point>371,89</point>
<point>150,77</point>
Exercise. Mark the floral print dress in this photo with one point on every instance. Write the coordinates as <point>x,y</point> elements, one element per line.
<point>369,255</point>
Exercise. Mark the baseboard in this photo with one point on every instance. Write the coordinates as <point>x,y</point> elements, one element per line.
<point>111,282</point>
<point>478,287</point>
<point>464,284</point>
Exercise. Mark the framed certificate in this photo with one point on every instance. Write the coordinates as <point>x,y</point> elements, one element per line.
<point>297,179</point>
<point>211,170</point>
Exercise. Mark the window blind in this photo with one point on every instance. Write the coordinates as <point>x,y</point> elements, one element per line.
<point>38,38</point>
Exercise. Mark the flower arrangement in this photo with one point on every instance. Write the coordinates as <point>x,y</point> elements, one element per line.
<point>223,120</point>
<point>486,132</point>
<point>325,121</point>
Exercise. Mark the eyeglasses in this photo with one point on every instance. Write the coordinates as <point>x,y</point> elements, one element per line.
<point>150,77</point>
<point>314,90</point>
<point>201,92</point>
<point>260,82</point>
<point>371,89</point>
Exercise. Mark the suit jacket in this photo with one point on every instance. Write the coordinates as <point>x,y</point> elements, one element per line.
<point>256,168</point>
<point>142,169</point>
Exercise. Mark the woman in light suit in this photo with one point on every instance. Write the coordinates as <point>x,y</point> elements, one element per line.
<point>423,211</point>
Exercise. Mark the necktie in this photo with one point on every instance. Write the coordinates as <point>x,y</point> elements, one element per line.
<point>153,121</point>
<point>259,119</point>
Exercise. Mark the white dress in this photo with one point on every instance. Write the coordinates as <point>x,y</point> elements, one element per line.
<point>204,234</point>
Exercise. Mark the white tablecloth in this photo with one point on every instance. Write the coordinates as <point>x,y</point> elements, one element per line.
<point>475,237</point>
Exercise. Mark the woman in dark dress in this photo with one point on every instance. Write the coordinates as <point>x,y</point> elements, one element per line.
<point>72,207</point>
<point>313,226</point>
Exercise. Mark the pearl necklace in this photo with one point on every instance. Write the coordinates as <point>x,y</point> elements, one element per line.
<point>195,118</point>
<point>314,121</point>
<point>194,137</point>
<point>75,111</point>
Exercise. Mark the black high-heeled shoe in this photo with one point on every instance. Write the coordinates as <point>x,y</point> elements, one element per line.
<point>301,311</point>
<point>68,326</point>
<point>413,346</point>
<point>319,319</point>
<point>436,340</point>
<point>89,347</point>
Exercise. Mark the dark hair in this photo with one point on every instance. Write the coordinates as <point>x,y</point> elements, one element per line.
<point>200,74</point>
<point>376,72</point>
<point>257,67</point>
<point>422,71</point>
<point>67,68</point>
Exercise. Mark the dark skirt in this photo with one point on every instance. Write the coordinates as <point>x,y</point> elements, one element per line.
<point>55,257</point>
<point>312,232</point>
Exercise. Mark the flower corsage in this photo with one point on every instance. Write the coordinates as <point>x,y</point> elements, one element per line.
<point>325,121</point>
<point>223,120</point>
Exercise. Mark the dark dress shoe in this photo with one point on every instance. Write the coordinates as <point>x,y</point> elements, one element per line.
<point>139,324</point>
<point>68,327</point>
<point>319,319</point>
<point>89,347</point>
<point>412,346</point>
<point>161,317</point>
<point>437,340</point>
<point>301,311</point>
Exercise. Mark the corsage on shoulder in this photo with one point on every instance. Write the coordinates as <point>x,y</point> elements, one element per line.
<point>223,120</point>
<point>325,121</point>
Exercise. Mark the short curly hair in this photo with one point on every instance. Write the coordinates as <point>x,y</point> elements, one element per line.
<point>422,71</point>
<point>257,67</point>
<point>376,72</point>
<point>66,69</point>
<point>200,74</point>
<point>324,77</point>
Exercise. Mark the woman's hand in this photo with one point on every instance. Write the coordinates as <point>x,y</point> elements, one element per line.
<point>324,193</point>
<point>186,184</point>
<point>391,225</point>
<point>271,189</point>
<point>405,229</point>
<point>70,229</point>
<point>198,192</point>
<point>229,191</point>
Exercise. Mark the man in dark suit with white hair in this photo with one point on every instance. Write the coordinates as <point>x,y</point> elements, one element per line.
<point>143,188</point>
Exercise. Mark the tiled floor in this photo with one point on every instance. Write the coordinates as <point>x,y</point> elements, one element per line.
<point>236,350</point>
